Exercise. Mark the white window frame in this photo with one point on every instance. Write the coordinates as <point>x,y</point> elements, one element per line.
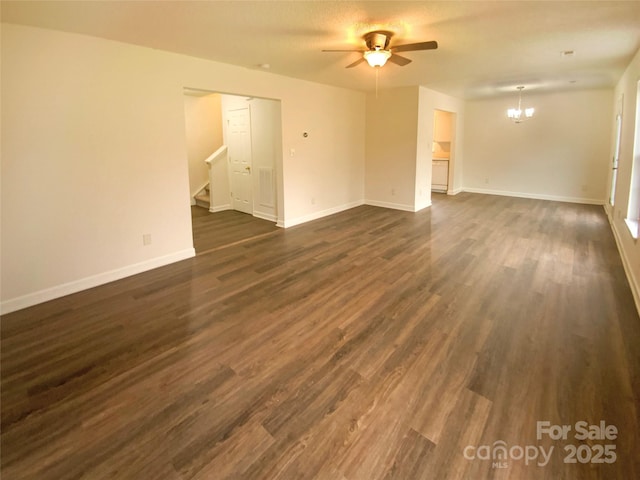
<point>633,210</point>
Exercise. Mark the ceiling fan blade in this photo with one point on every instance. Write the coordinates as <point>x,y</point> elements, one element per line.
<point>352,50</point>
<point>398,60</point>
<point>410,47</point>
<point>356,63</point>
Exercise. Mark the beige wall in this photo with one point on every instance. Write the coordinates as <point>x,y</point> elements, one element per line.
<point>203,129</point>
<point>627,90</point>
<point>391,146</point>
<point>94,156</point>
<point>562,153</point>
<point>325,174</point>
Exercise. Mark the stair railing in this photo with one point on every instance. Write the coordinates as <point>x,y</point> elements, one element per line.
<point>215,157</point>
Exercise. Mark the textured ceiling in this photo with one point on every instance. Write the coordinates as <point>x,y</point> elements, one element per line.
<point>485,48</point>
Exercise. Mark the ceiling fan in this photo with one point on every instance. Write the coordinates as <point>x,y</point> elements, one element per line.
<point>378,50</point>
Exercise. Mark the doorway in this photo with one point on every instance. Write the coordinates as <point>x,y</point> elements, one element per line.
<point>442,152</point>
<point>240,137</point>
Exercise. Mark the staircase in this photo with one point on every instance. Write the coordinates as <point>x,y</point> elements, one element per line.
<point>202,198</point>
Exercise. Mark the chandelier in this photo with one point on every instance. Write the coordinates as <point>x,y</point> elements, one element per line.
<point>518,115</point>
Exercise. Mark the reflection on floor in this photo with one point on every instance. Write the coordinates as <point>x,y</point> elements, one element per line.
<point>212,231</point>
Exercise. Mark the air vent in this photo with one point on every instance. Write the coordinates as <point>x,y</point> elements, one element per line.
<point>266,186</point>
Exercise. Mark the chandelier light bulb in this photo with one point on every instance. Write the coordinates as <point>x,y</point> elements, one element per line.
<point>518,115</point>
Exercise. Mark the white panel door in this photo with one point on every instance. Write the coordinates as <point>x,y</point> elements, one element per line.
<point>239,144</point>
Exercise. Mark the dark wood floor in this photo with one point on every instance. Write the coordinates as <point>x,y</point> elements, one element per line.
<point>212,231</point>
<point>372,344</point>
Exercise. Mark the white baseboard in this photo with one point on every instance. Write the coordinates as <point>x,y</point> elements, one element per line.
<point>455,191</point>
<point>219,208</point>
<point>394,206</point>
<point>320,214</point>
<point>265,216</point>
<point>634,282</point>
<point>347,206</point>
<point>536,196</point>
<point>422,207</point>
<point>75,286</point>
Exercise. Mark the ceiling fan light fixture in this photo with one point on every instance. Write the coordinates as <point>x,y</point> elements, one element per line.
<point>377,58</point>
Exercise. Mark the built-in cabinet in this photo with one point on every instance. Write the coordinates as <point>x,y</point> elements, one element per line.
<point>442,127</point>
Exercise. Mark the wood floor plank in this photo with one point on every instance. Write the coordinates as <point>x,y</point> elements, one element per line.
<point>371,344</point>
<point>463,427</point>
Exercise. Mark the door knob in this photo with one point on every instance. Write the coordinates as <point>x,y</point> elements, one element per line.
<point>248,169</point>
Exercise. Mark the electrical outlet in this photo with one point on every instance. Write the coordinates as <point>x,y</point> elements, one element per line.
<point>313,200</point>
<point>393,191</point>
<point>486,180</point>
<point>146,239</point>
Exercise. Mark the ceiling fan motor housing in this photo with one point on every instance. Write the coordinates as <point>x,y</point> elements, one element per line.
<point>378,40</point>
